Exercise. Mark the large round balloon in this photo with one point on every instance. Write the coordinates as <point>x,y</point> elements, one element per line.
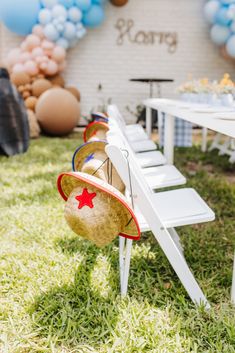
<point>19,16</point>
<point>57,111</point>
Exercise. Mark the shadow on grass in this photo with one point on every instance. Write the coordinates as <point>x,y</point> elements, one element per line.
<point>78,313</point>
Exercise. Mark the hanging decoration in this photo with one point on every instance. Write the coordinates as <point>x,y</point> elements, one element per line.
<point>221,15</point>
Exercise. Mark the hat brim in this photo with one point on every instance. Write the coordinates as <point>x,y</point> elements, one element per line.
<point>67,182</point>
<point>92,128</point>
<point>100,117</point>
<point>83,151</point>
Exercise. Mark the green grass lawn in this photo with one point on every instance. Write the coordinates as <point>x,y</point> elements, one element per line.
<point>59,293</point>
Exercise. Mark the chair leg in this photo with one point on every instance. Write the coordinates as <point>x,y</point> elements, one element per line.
<point>204,139</point>
<point>233,283</point>
<point>121,259</point>
<point>125,278</point>
<point>176,239</point>
<point>181,267</point>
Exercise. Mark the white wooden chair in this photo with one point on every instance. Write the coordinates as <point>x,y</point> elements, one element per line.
<point>156,177</point>
<point>134,133</point>
<point>145,159</point>
<point>160,213</point>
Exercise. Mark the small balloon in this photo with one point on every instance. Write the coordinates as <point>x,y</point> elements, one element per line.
<point>66,3</point>
<point>94,17</point>
<point>74,14</point>
<point>69,31</point>
<point>59,11</point>
<point>62,42</point>
<point>83,5</point>
<point>49,3</point>
<point>44,17</point>
<point>51,33</point>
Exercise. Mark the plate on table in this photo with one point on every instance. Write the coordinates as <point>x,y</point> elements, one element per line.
<point>225,116</point>
<point>213,110</point>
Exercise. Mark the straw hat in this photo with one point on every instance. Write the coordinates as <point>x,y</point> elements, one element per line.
<point>91,158</point>
<point>95,210</point>
<point>96,130</point>
<point>103,117</point>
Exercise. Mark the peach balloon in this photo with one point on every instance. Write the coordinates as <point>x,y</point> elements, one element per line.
<point>37,52</point>
<point>43,66</point>
<point>18,68</point>
<point>62,66</point>
<point>38,31</point>
<point>25,56</point>
<point>57,111</point>
<point>58,54</point>
<point>31,68</point>
<point>32,41</point>
<point>13,57</point>
<point>52,68</point>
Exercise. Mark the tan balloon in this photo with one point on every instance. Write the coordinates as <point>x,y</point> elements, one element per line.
<point>119,2</point>
<point>26,94</point>
<point>57,111</point>
<point>31,102</point>
<point>75,92</point>
<point>20,78</point>
<point>57,81</point>
<point>40,86</point>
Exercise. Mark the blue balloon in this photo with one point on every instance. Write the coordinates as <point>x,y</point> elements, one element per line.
<point>230,46</point>
<point>94,17</point>
<point>83,5</point>
<point>67,3</point>
<point>222,18</point>
<point>19,16</point>
<point>220,34</point>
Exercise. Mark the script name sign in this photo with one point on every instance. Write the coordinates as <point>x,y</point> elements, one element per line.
<point>127,33</point>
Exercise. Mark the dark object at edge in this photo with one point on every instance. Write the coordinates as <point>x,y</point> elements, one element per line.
<point>14,126</point>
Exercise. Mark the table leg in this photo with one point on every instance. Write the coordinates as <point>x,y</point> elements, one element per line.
<point>233,283</point>
<point>169,135</point>
<point>149,121</point>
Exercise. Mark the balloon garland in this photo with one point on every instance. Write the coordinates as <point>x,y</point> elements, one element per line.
<point>221,14</point>
<point>51,28</point>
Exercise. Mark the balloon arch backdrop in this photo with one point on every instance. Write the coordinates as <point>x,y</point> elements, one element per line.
<point>50,28</point>
<point>221,15</point>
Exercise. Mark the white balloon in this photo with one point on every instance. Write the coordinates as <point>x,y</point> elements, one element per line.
<point>51,33</point>
<point>62,42</point>
<point>44,17</point>
<point>59,11</point>
<point>69,31</point>
<point>211,9</point>
<point>230,46</point>
<point>75,14</point>
<point>220,34</point>
<point>49,3</point>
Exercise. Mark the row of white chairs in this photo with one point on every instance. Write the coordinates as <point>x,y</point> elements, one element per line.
<point>159,212</point>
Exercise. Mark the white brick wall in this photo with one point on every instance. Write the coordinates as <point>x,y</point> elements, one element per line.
<point>98,59</point>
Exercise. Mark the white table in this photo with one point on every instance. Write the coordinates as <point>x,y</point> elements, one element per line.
<point>206,117</point>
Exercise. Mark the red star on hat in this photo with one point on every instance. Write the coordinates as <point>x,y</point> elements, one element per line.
<point>85,199</point>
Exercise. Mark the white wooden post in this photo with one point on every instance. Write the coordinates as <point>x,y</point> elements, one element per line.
<point>169,135</point>
<point>149,121</point>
